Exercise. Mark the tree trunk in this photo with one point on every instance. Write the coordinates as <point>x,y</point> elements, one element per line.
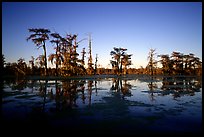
<point>121,67</point>
<point>45,58</point>
<point>57,61</point>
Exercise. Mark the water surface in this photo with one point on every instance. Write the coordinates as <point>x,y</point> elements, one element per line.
<point>128,105</point>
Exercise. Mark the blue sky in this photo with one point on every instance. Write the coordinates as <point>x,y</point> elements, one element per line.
<point>136,26</point>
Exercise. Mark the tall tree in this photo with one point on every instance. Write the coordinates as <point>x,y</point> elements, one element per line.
<point>90,69</point>
<point>69,56</point>
<point>126,61</point>
<point>177,59</point>
<point>117,55</point>
<point>167,64</point>
<point>95,70</point>
<point>83,56</point>
<point>74,55</point>
<point>65,46</point>
<point>56,40</point>
<point>195,63</point>
<point>39,36</point>
<point>152,62</point>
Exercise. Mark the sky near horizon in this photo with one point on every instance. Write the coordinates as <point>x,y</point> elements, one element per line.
<point>137,26</point>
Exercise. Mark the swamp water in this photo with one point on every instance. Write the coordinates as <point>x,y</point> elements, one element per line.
<point>128,105</point>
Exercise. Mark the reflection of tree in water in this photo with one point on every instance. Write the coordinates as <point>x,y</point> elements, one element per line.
<point>57,96</point>
<point>38,110</point>
<point>126,88</point>
<point>66,95</point>
<point>31,84</point>
<point>96,87</point>
<point>81,89</point>
<point>43,93</point>
<point>115,84</point>
<point>116,107</point>
<point>118,85</point>
<point>19,84</point>
<point>90,84</point>
<point>9,82</point>
<point>175,86</point>
<point>152,87</point>
<point>180,86</point>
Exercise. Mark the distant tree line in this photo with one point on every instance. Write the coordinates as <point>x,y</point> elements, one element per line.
<point>67,61</point>
<point>176,64</point>
<point>180,64</point>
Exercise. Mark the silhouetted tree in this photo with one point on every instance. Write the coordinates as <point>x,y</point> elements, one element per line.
<point>117,56</point>
<point>126,61</point>
<point>198,66</point>
<point>167,64</point>
<point>152,62</point>
<point>39,37</point>
<point>194,63</point>
<point>90,69</point>
<point>70,56</point>
<point>180,64</point>
<point>177,59</point>
<point>95,71</point>
<point>83,56</point>
<point>56,39</point>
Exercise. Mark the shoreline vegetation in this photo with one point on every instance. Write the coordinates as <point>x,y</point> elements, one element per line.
<point>103,76</point>
<point>70,65</point>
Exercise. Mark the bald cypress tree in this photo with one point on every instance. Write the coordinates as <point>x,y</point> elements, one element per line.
<point>39,36</point>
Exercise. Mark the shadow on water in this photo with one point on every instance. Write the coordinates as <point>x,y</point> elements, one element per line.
<point>85,105</point>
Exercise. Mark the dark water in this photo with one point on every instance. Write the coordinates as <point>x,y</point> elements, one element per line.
<point>134,105</point>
